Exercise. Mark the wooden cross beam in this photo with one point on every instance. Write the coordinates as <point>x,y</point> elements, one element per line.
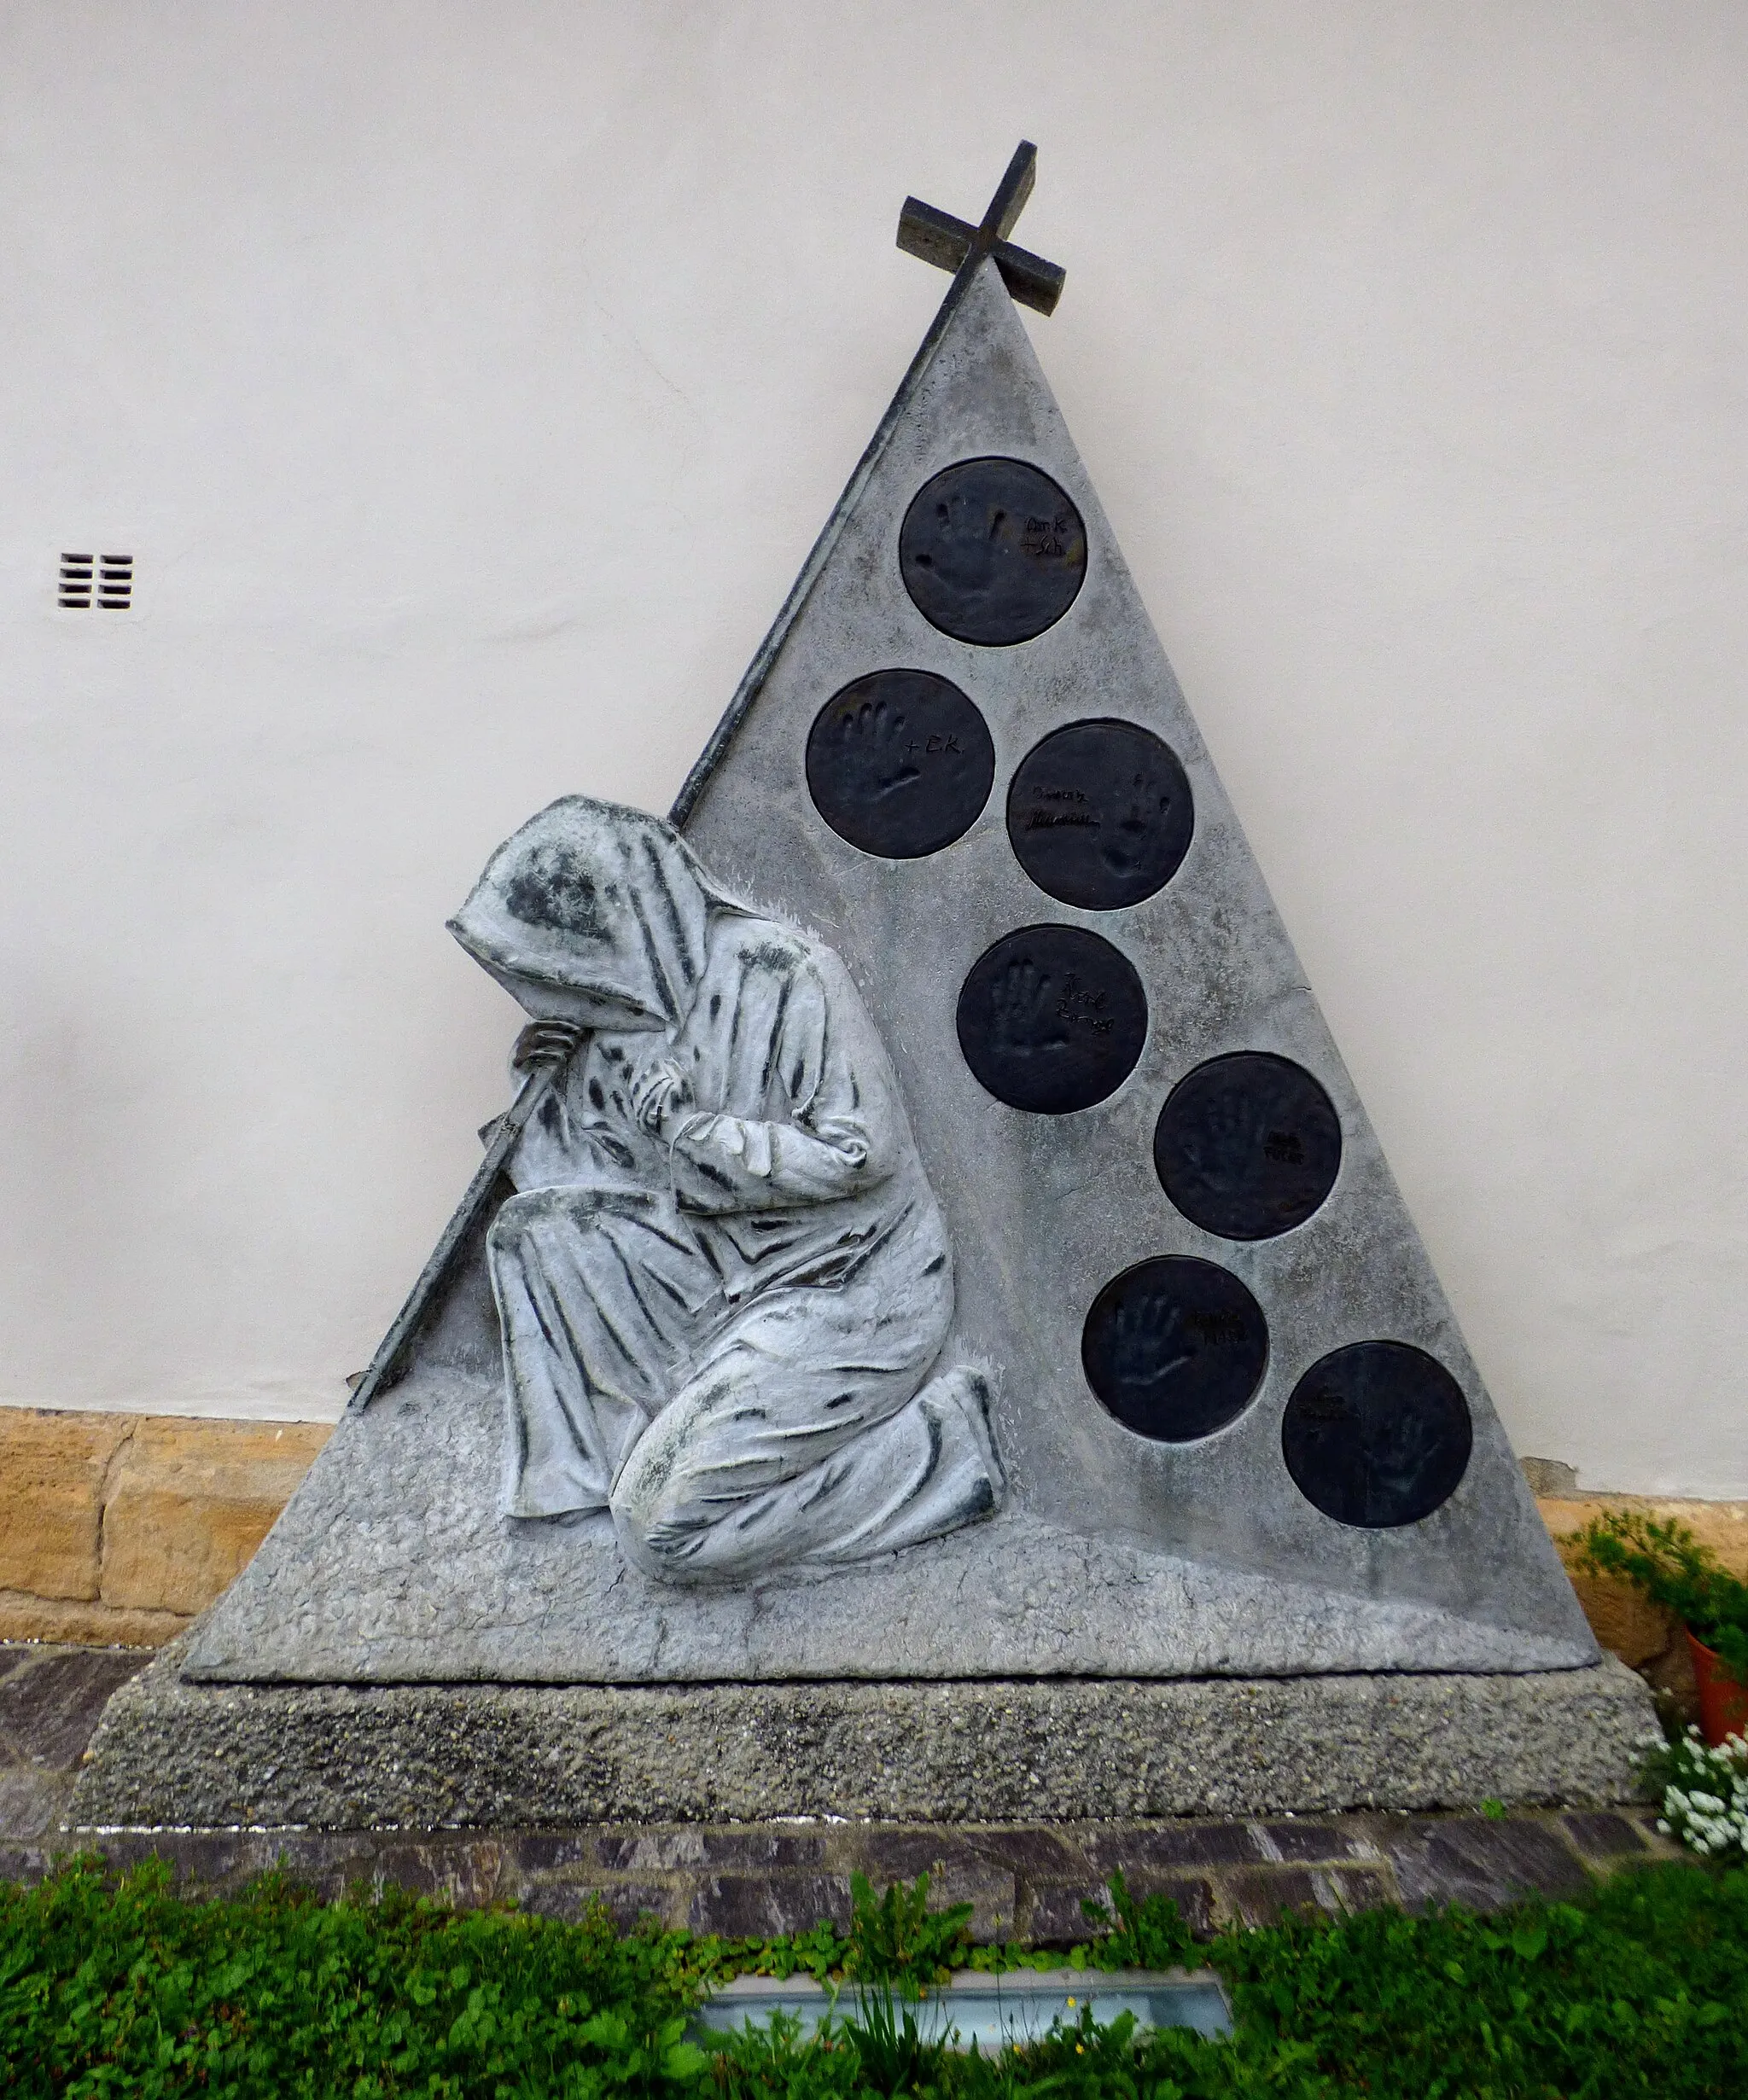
<point>950,244</point>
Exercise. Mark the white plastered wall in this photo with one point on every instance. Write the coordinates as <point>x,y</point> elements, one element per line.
<point>468,382</point>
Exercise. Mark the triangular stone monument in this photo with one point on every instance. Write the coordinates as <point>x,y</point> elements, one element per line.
<point>1236,1430</point>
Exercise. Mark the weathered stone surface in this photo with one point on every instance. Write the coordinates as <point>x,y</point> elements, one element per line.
<point>1188,1845</point>
<point>958,1873</point>
<point>1604,1836</point>
<point>190,1503</point>
<point>1056,1916</point>
<point>170,1751</point>
<point>31,1802</point>
<point>1259,1895</point>
<point>1262,1895</point>
<point>1624,1622</point>
<point>263,1465</point>
<point>625,1902</point>
<point>1032,1854</point>
<point>119,1528</point>
<point>1353,1888</point>
<point>1306,1841</point>
<point>747,1906</point>
<point>1481,1863</point>
<point>49,1707</point>
<point>26,1863</point>
<point>256,1466</point>
<point>269,1460</point>
<point>469,1870</point>
<point>50,1702</point>
<point>662,1851</point>
<point>52,1469</point>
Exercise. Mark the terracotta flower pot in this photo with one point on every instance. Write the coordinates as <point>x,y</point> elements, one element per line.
<point>1723,1702</point>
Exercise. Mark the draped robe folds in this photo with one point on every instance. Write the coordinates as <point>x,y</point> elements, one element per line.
<point>717,1332</point>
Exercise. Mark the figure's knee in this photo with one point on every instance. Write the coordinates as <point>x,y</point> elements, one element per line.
<point>664,1519</point>
<point>517,1216</point>
<point>647,1515</point>
<point>523,1218</point>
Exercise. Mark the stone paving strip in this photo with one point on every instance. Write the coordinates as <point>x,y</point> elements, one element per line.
<point>1024,1882</point>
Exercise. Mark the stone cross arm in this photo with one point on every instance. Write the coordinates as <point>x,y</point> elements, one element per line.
<point>950,244</point>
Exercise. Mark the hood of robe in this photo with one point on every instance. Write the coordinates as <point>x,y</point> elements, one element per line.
<point>596,914</point>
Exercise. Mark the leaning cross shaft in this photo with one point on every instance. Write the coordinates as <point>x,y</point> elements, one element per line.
<point>950,244</point>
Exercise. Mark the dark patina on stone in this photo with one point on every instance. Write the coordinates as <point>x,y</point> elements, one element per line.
<point>1175,1348</point>
<point>1051,1018</point>
<point>1100,814</point>
<point>1248,1146</point>
<point>899,762</point>
<point>991,551</point>
<point>1376,1434</point>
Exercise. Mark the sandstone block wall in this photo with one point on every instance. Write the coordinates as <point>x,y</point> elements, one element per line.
<point>119,1528</point>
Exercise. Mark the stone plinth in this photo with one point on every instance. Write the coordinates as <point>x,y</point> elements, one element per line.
<point>483,1755</point>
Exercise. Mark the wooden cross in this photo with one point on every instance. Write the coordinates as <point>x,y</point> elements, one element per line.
<point>950,244</point>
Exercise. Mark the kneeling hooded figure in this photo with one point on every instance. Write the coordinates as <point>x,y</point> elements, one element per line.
<point>724,1277</point>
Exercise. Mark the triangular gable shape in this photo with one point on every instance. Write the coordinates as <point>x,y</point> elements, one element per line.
<point>1295,1466</point>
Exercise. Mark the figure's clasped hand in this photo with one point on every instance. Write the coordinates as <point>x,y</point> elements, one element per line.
<point>661,1095</point>
<point>545,1043</point>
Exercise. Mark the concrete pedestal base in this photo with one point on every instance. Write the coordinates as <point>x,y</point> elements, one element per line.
<point>481,1756</point>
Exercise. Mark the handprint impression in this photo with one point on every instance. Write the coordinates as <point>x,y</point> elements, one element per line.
<point>1025,1017</point>
<point>1129,841</point>
<point>873,731</point>
<point>1147,1330</point>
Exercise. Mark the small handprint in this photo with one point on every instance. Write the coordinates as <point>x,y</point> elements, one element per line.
<point>875,731</point>
<point>1127,845</point>
<point>1148,1338</point>
<point>1233,1129</point>
<point>1025,1016</point>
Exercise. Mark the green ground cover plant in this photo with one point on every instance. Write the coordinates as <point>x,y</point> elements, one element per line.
<point>111,1988</point>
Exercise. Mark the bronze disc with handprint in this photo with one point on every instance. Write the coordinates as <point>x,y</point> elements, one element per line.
<point>1247,1145</point>
<point>1175,1348</point>
<point>1051,1018</point>
<point>991,551</point>
<point>899,762</point>
<point>1376,1434</point>
<point>1100,814</point>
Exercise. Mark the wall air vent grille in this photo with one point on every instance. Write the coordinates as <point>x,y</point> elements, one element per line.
<point>77,572</point>
<point>114,582</point>
<point>103,580</point>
